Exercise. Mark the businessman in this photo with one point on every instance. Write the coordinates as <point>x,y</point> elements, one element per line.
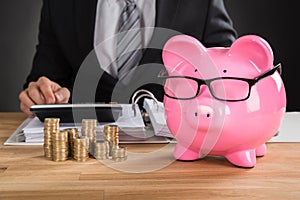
<point>70,30</point>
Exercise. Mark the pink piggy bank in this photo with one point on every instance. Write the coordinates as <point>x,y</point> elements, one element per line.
<point>222,101</point>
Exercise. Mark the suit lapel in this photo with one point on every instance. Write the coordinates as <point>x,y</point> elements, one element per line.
<point>165,12</point>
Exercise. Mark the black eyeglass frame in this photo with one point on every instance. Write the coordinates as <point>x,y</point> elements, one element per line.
<point>207,82</point>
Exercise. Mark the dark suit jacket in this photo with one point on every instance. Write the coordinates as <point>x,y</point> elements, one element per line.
<point>66,33</point>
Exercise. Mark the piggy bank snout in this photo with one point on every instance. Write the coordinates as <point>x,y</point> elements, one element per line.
<point>203,105</point>
<point>199,116</point>
<point>204,112</point>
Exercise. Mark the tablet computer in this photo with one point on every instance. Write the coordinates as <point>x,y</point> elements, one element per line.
<point>70,113</point>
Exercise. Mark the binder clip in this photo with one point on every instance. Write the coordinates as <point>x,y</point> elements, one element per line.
<point>139,94</point>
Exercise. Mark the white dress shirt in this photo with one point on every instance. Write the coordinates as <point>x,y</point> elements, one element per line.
<point>107,17</point>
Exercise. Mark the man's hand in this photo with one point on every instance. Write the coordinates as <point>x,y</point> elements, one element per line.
<point>43,91</point>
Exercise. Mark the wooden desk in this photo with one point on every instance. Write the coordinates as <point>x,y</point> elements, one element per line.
<point>26,173</point>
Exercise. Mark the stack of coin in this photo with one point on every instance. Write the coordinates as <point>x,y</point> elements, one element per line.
<point>51,125</point>
<point>81,149</point>
<point>111,134</point>
<point>88,130</point>
<point>60,146</point>
<point>101,150</point>
<point>119,153</point>
<point>72,135</point>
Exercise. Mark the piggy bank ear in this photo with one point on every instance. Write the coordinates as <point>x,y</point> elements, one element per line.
<point>183,54</point>
<point>255,49</point>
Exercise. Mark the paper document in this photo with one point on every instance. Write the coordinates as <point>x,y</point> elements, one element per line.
<point>131,127</point>
<point>156,112</point>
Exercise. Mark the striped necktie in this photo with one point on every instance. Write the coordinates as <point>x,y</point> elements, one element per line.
<point>129,40</point>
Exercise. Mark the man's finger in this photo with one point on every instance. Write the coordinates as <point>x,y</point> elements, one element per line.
<point>35,95</point>
<point>25,109</point>
<point>26,102</point>
<point>62,95</point>
<point>45,86</point>
<point>25,99</point>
